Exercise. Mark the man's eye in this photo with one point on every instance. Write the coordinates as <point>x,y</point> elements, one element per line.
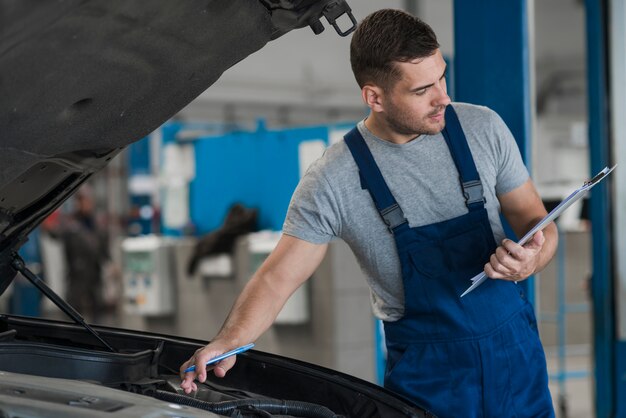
<point>421,92</point>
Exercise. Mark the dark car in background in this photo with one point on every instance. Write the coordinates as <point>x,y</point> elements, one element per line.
<point>80,81</point>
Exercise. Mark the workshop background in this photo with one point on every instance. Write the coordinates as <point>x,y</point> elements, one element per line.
<point>190,211</point>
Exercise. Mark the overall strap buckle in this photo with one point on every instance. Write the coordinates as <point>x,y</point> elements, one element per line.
<point>473,192</point>
<point>393,216</point>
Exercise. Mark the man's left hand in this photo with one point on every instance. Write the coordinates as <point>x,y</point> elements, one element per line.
<point>515,262</point>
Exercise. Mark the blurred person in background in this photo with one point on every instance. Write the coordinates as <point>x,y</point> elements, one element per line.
<point>86,254</point>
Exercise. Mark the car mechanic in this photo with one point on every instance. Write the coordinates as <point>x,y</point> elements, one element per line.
<point>416,190</point>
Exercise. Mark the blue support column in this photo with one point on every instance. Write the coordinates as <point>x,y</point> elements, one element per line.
<point>602,286</point>
<point>492,66</point>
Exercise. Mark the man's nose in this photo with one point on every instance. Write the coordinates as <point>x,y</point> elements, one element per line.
<point>442,98</point>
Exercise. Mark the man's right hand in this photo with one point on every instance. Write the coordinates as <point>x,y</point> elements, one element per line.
<point>199,359</point>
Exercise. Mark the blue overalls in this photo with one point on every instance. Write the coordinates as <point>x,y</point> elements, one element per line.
<point>479,356</point>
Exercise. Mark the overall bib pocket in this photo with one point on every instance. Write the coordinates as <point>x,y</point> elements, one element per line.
<point>468,251</point>
<point>428,258</point>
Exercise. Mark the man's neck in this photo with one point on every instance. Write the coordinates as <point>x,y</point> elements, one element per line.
<point>383,131</point>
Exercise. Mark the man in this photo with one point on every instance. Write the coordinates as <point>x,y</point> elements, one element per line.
<point>86,253</point>
<point>419,206</point>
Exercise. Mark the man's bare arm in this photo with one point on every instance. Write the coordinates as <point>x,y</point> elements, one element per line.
<point>291,263</point>
<point>523,209</point>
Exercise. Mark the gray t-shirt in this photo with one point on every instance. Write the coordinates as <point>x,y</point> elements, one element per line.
<point>329,201</point>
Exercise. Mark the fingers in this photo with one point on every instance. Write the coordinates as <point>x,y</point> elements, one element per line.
<point>499,265</point>
<point>504,263</point>
<point>224,366</point>
<point>538,239</point>
<point>505,259</point>
<point>188,385</point>
<point>497,272</point>
<point>512,261</point>
<point>199,360</point>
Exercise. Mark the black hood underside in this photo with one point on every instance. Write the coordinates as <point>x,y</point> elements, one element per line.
<point>100,74</point>
<point>80,80</point>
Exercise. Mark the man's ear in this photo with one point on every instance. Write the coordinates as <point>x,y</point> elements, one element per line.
<point>373,97</point>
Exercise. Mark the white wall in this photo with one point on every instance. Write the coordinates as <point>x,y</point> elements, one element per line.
<point>560,149</point>
<point>560,29</point>
<point>439,15</point>
<point>302,78</point>
<point>298,68</point>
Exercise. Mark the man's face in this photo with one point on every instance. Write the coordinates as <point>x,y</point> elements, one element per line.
<point>415,104</point>
<point>85,204</point>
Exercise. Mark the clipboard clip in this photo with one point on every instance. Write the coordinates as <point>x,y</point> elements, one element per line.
<point>602,174</point>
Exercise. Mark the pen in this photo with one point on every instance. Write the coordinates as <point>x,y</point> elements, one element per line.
<point>223,356</point>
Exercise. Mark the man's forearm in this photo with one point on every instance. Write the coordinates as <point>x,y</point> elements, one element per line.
<point>253,312</point>
<point>291,263</point>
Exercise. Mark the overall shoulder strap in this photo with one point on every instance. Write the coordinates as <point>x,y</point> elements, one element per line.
<point>374,182</point>
<point>462,156</point>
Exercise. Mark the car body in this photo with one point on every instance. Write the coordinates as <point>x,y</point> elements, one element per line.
<point>80,81</point>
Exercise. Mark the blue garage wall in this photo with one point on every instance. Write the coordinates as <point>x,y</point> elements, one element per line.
<point>258,169</point>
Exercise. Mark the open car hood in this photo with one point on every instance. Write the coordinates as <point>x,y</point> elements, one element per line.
<point>36,353</point>
<point>79,81</point>
<point>82,79</point>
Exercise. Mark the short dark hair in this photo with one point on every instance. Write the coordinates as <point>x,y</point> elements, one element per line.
<point>384,37</point>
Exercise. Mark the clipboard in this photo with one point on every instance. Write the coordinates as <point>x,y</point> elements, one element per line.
<point>561,207</point>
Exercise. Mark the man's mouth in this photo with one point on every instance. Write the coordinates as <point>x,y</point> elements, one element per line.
<point>437,115</point>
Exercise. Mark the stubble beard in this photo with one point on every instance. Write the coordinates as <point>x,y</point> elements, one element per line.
<point>404,123</point>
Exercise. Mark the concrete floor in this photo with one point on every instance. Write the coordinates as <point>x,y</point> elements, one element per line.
<point>577,392</point>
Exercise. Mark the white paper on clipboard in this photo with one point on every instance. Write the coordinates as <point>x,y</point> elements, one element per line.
<point>565,203</point>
